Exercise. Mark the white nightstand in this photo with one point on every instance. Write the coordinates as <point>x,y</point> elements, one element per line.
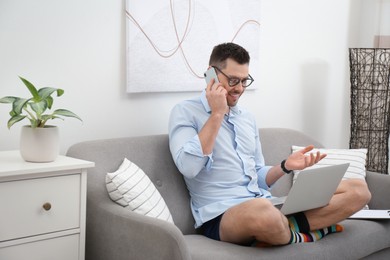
<point>42,208</point>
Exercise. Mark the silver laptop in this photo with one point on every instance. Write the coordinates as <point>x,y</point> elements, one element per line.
<point>312,189</point>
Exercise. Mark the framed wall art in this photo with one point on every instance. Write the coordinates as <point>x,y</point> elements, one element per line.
<point>169,41</point>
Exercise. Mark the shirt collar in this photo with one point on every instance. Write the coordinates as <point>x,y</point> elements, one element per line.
<point>233,110</point>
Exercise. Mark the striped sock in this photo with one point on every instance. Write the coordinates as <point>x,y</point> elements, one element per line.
<point>300,237</point>
<point>315,235</point>
<point>298,222</point>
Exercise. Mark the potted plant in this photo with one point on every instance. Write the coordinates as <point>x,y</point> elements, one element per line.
<point>39,142</point>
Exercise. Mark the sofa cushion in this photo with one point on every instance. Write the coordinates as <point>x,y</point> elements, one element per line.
<point>130,187</point>
<point>359,238</point>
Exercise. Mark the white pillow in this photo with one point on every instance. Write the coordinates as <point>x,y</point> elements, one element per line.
<point>355,157</point>
<point>130,187</point>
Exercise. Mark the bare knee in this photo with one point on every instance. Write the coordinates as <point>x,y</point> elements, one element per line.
<point>254,219</point>
<point>362,192</point>
<point>359,195</point>
<point>268,216</point>
<point>271,225</point>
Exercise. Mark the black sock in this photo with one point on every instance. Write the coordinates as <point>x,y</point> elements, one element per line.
<point>298,222</point>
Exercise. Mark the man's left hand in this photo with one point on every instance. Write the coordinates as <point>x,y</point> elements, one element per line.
<point>300,160</point>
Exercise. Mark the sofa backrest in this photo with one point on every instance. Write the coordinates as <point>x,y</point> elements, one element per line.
<point>152,155</point>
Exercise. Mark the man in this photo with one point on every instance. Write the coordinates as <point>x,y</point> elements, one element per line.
<point>215,145</point>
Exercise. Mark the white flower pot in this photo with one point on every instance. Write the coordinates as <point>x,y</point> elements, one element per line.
<point>39,144</point>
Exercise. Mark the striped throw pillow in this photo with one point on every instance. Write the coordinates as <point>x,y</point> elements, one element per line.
<point>355,157</point>
<point>130,187</point>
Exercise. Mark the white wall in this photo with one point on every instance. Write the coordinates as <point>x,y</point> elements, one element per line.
<point>374,19</point>
<point>80,46</point>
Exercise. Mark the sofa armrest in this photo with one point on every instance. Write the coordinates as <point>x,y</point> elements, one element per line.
<point>379,185</point>
<point>117,233</point>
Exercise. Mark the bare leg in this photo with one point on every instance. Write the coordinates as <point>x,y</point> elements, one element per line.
<point>351,196</point>
<point>255,219</point>
<point>259,219</point>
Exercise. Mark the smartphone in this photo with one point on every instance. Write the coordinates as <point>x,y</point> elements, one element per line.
<point>211,74</point>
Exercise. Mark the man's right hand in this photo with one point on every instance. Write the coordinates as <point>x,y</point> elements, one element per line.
<point>216,97</point>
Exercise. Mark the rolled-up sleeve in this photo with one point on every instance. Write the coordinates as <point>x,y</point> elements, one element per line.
<point>262,174</point>
<point>261,169</point>
<point>185,145</point>
<point>190,159</point>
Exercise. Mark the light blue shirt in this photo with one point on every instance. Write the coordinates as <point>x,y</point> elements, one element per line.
<point>233,173</point>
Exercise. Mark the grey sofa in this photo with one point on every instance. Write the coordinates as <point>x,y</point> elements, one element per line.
<point>115,233</point>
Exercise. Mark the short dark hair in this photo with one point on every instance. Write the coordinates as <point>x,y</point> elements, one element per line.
<point>224,51</point>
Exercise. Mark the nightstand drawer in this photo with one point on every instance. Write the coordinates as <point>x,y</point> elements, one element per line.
<point>38,206</point>
<point>61,248</point>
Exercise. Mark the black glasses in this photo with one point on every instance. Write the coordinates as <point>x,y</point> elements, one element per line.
<point>233,81</point>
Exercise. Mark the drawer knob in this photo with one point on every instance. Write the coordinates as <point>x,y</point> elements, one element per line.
<point>47,206</point>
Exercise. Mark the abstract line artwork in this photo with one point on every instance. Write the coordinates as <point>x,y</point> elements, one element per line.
<point>169,41</point>
<point>370,105</point>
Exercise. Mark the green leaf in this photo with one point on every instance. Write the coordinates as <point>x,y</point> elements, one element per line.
<point>39,107</point>
<point>18,105</point>
<point>14,120</point>
<point>60,92</point>
<point>49,101</point>
<point>7,99</point>
<point>47,117</point>
<point>64,112</point>
<point>31,88</point>
<point>46,92</point>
